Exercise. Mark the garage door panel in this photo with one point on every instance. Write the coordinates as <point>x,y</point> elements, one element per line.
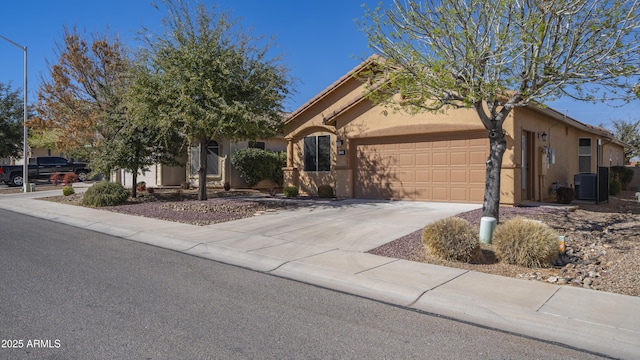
<point>423,159</point>
<point>440,158</point>
<point>440,176</point>
<point>459,176</point>
<point>429,169</point>
<point>423,176</point>
<point>459,158</point>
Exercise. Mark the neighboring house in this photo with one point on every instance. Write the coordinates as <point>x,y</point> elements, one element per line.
<point>341,139</point>
<point>219,168</point>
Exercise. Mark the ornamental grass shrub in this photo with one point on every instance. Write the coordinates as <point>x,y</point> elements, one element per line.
<point>526,243</point>
<point>290,191</point>
<point>452,239</point>
<point>325,191</point>
<point>68,190</point>
<point>105,194</point>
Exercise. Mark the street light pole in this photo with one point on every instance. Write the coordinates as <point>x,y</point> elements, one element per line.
<point>25,168</point>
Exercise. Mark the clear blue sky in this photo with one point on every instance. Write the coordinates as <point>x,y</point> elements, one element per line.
<point>320,40</point>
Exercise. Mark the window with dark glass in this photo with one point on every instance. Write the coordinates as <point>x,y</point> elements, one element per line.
<point>213,151</point>
<point>317,153</point>
<point>256,145</point>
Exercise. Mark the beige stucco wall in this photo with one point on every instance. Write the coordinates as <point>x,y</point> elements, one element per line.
<point>226,171</point>
<point>338,113</point>
<point>562,140</point>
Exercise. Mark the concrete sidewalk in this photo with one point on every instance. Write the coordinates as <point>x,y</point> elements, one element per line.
<point>324,245</point>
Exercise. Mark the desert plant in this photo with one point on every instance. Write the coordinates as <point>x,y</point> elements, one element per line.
<point>105,194</point>
<point>68,190</point>
<point>565,195</point>
<point>70,178</point>
<point>55,179</point>
<point>528,243</point>
<point>325,191</point>
<point>290,191</point>
<point>615,185</point>
<point>255,165</point>
<point>623,173</point>
<point>452,239</point>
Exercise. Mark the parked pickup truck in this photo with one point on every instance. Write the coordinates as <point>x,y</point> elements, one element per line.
<point>42,167</point>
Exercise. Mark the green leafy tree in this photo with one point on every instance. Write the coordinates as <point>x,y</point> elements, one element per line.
<point>213,81</point>
<point>11,117</point>
<point>142,138</point>
<point>628,132</point>
<point>494,56</point>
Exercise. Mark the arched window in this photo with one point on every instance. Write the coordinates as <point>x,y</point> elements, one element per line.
<point>213,159</point>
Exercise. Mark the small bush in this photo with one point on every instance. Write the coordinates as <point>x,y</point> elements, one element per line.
<point>105,194</point>
<point>526,243</point>
<point>55,179</point>
<point>325,191</point>
<point>290,191</point>
<point>615,186</point>
<point>452,239</point>
<point>70,178</point>
<point>151,190</point>
<point>68,190</point>
<point>624,174</point>
<point>226,186</point>
<point>565,195</point>
<point>185,185</point>
<point>255,165</point>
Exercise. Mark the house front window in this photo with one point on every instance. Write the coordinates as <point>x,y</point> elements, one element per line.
<point>317,153</point>
<point>213,162</point>
<point>584,155</point>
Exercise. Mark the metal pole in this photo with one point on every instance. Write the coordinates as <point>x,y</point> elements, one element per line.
<point>25,167</point>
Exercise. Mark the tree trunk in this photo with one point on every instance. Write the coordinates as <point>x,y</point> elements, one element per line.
<point>134,188</point>
<point>497,145</point>
<point>202,171</point>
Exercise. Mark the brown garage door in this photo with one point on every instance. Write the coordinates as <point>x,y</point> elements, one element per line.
<point>444,168</point>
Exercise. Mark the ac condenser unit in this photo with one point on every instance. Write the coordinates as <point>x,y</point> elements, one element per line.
<point>586,186</point>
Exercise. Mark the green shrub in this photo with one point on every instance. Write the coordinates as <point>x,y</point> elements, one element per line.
<point>105,194</point>
<point>255,165</point>
<point>526,243</point>
<point>325,191</point>
<point>615,186</point>
<point>565,195</point>
<point>68,190</point>
<point>452,239</point>
<point>290,191</point>
<point>624,174</point>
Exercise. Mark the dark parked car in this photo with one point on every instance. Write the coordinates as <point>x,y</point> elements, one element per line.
<point>43,167</point>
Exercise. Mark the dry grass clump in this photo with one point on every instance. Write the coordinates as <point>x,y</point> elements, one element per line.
<point>452,239</point>
<point>526,243</point>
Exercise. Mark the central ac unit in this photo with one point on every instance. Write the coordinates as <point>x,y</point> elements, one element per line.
<point>586,186</point>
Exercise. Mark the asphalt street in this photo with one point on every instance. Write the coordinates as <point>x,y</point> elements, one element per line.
<point>70,293</point>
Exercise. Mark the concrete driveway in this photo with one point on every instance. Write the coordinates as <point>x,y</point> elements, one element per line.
<point>352,224</point>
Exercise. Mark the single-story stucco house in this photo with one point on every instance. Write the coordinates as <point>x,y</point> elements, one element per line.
<point>219,168</point>
<point>340,138</point>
